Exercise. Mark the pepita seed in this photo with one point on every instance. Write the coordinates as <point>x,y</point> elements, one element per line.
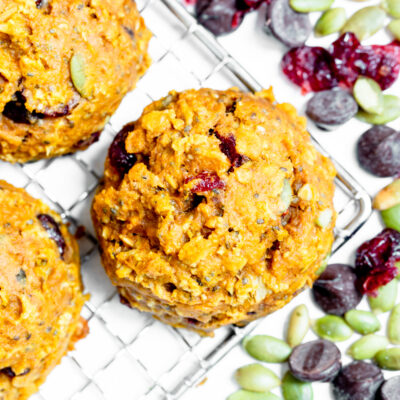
<point>394,325</point>
<point>367,347</point>
<point>324,218</point>
<point>391,111</point>
<point>363,322</point>
<point>391,217</point>
<point>389,358</point>
<point>293,389</point>
<point>247,395</point>
<point>299,324</point>
<point>256,378</point>
<point>368,95</point>
<point>323,265</point>
<point>267,348</point>
<point>394,28</point>
<point>386,298</point>
<point>365,22</point>
<point>78,75</point>
<point>311,5</point>
<point>286,195</point>
<point>388,197</point>
<point>331,21</point>
<point>392,7</point>
<point>333,328</point>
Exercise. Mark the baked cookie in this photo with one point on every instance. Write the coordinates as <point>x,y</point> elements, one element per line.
<point>40,293</point>
<point>65,66</point>
<point>215,208</point>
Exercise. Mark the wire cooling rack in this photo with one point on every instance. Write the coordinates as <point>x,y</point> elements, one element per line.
<point>129,355</point>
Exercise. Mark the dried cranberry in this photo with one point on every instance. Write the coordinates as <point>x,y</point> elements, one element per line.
<point>287,25</point>
<point>335,291</point>
<point>357,381</point>
<point>351,59</point>
<point>343,52</point>
<point>318,360</point>
<point>219,16</point>
<point>345,61</point>
<point>310,68</point>
<point>59,111</point>
<point>123,300</point>
<point>378,151</point>
<point>228,147</point>
<point>375,261</point>
<point>8,372</point>
<point>17,112</point>
<point>206,181</point>
<point>83,143</point>
<point>53,231</point>
<point>119,158</point>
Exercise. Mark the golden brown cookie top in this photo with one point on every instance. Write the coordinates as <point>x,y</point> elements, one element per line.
<point>65,66</point>
<point>215,195</point>
<point>39,38</point>
<point>40,288</point>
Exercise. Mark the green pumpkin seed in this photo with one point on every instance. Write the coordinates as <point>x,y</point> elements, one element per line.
<point>391,217</point>
<point>286,195</point>
<point>368,95</point>
<point>333,328</point>
<point>386,298</point>
<point>293,389</point>
<point>78,75</point>
<point>391,111</point>
<point>389,358</point>
<point>256,378</point>
<point>324,218</point>
<point>388,197</point>
<point>267,348</point>
<point>299,324</point>
<point>306,6</point>
<point>331,21</point>
<point>365,22</point>
<point>392,7</point>
<point>363,322</point>
<point>366,347</point>
<point>394,28</point>
<point>323,265</point>
<point>394,325</point>
<point>247,395</point>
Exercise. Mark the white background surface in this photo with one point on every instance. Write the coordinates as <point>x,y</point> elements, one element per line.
<point>261,54</point>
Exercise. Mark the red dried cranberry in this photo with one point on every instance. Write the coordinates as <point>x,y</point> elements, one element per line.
<point>119,158</point>
<point>8,372</point>
<point>375,261</point>
<point>387,64</point>
<point>206,181</point>
<point>53,231</point>
<point>310,68</point>
<point>313,68</point>
<point>17,112</point>
<point>228,147</point>
<point>83,143</point>
<point>343,52</point>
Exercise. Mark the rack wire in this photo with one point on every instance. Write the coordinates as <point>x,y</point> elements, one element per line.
<point>128,354</point>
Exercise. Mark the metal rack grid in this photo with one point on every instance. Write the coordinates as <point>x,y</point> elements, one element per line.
<point>128,350</point>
